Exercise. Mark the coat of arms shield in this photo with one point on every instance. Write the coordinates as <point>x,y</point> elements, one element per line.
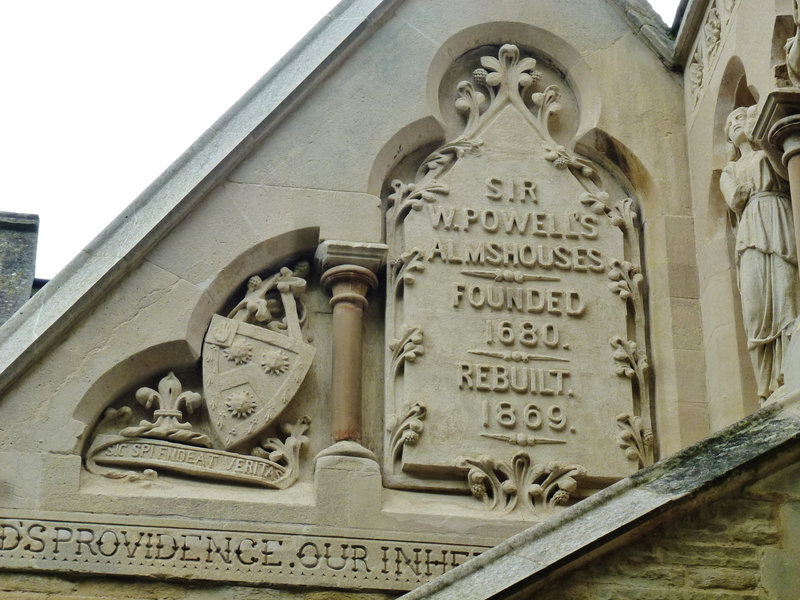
<point>251,372</point>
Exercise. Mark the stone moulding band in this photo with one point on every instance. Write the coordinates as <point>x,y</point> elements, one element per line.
<point>243,556</point>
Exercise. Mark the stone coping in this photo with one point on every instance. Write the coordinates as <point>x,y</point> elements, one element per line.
<point>728,458</point>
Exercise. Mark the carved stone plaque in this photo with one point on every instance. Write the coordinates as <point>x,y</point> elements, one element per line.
<point>508,311</point>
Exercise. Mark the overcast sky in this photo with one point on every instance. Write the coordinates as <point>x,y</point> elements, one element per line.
<point>100,96</point>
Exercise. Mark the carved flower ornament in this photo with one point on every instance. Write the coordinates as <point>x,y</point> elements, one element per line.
<point>239,353</point>
<point>241,404</point>
<point>274,362</point>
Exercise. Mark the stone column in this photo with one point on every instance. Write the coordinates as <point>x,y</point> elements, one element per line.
<point>348,273</point>
<point>785,135</point>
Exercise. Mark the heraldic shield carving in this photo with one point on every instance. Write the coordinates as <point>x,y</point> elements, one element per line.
<point>249,372</point>
<point>253,362</point>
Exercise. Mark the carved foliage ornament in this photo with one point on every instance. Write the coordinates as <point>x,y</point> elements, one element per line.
<point>716,24</point>
<point>521,484</point>
<point>253,362</point>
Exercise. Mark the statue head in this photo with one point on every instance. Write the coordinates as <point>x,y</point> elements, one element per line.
<point>253,282</point>
<point>739,129</point>
<point>736,125</point>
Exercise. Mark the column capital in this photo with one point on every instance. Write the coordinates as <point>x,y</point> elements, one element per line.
<point>367,255</point>
<point>778,126</point>
<point>785,136</point>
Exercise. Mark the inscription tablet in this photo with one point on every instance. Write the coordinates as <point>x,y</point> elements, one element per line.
<point>516,355</point>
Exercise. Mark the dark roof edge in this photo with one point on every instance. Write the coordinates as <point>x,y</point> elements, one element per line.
<point>648,25</point>
<point>692,15</point>
<point>535,553</point>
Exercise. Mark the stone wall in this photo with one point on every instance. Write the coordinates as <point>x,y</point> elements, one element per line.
<point>740,546</point>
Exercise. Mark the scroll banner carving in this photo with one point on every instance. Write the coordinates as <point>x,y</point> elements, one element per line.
<point>211,464</point>
<point>502,250</point>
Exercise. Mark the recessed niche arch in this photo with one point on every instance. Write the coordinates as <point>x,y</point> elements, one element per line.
<point>146,366</point>
<point>734,395</point>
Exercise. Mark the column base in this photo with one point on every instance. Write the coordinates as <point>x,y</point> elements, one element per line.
<point>347,448</point>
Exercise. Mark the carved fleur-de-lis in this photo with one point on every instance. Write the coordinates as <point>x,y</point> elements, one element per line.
<point>508,72</point>
<point>168,404</point>
<point>170,398</point>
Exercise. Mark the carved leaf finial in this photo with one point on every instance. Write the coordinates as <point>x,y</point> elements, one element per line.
<point>635,439</point>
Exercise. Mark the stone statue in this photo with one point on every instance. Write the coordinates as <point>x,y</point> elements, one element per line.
<point>793,48</point>
<point>766,258</point>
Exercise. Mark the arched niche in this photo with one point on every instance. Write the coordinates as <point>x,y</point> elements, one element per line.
<point>730,383</point>
<point>111,396</point>
<point>548,48</point>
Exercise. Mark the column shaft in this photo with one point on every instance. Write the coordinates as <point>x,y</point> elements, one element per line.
<point>793,166</point>
<point>349,285</point>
